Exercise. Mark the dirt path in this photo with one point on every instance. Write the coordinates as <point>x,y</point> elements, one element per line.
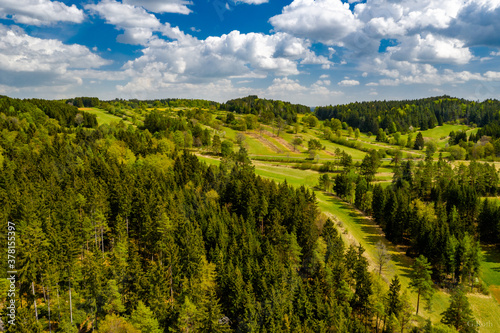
<point>371,234</point>
<point>265,142</point>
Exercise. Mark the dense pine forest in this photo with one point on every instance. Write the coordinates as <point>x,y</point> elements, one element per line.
<point>267,109</point>
<point>165,218</point>
<point>394,116</point>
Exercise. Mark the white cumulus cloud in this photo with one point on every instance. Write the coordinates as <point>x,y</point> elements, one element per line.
<point>432,49</point>
<point>348,83</point>
<point>163,6</point>
<point>253,2</point>
<point>31,61</point>
<point>138,25</point>
<point>40,12</point>
<point>234,55</point>
<point>327,21</point>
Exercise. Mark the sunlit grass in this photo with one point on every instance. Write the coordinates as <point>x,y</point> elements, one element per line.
<point>103,117</point>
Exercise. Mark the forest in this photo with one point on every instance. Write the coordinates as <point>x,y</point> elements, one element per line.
<point>171,216</point>
<point>400,116</point>
<point>267,109</point>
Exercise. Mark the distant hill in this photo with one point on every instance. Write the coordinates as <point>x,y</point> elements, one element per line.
<point>33,110</point>
<point>258,106</point>
<point>400,116</point>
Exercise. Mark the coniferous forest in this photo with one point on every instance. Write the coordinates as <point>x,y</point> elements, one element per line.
<point>124,227</point>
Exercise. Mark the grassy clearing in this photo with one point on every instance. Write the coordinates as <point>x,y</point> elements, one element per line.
<point>491,266</point>
<point>228,133</point>
<point>487,312</point>
<point>315,134</point>
<point>209,160</point>
<point>439,132</point>
<point>293,177</point>
<point>103,117</point>
<point>495,292</point>
<point>255,147</point>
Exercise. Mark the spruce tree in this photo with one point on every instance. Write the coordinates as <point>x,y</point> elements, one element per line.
<point>459,314</point>
<point>143,319</point>
<point>419,142</point>
<point>394,304</point>
<point>421,281</point>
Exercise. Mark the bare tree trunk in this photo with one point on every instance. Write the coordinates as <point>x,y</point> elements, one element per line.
<point>58,303</point>
<point>70,303</point>
<point>34,295</point>
<point>95,235</point>
<point>102,240</point>
<point>48,305</point>
<point>171,285</point>
<point>418,301</point>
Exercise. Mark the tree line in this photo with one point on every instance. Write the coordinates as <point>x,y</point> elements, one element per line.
<point>265,108</point>
<point>405,115</point>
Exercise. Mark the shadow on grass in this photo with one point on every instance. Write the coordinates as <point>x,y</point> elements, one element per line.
<point>491,265</point>
<point>492,254</point>
<point>373,234</point>
<point>372,230</point>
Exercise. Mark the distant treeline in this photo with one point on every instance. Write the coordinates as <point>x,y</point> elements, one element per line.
<point>162,103</point>
<point>65,114</point>
<point>265,108</point>
<point>401,116</point>
<point>84,102</point>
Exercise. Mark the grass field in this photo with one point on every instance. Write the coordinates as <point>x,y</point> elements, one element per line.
<point>439,132</point>
<point>491,266</point>
<point>103,117</point>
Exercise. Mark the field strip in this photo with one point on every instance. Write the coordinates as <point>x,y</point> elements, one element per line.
<point>265,142</point>
<point>281,140</point>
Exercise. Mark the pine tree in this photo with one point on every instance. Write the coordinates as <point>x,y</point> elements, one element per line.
<point>419,142</point>
<point>406,311</point>
<point>211,317</point>
<point>459,314</point>
<point>378,204</point>
<point>394,304</point>
<point>143,319</point>
<point>421,281</point>
<point>488,220</point>
<point>363,289</point>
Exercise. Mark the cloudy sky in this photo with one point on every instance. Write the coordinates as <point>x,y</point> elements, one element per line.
<point>314,52</point>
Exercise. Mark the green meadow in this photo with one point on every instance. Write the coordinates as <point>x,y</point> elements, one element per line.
<point>103,117</point>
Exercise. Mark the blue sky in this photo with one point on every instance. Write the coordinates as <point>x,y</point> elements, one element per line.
<point>315,52</point>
